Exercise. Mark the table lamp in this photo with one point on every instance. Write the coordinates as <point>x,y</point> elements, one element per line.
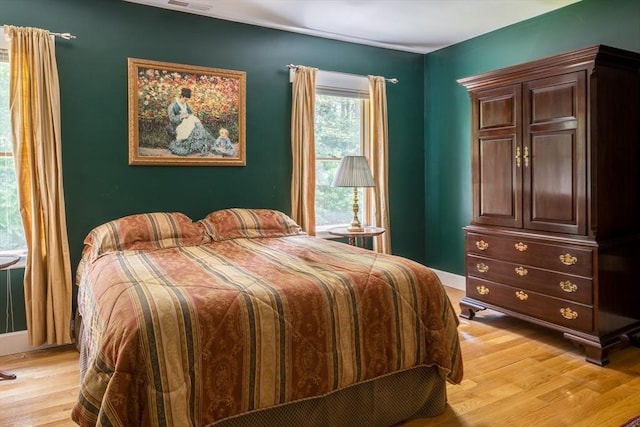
<point>354,172</point>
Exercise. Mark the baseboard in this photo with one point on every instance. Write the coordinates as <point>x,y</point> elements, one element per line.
<point>449,279</point>
<point>17,342</point>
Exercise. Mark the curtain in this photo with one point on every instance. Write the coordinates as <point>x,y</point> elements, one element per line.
<point>303,181</point>
<point>377,154</point>
<point>34,97</point>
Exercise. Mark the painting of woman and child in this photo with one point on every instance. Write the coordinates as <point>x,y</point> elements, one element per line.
<point>185,115</point>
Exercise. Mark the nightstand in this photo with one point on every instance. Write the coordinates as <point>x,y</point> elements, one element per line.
<point>355,235</point>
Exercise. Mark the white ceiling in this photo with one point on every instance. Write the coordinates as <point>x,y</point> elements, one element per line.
<point>419,26</point>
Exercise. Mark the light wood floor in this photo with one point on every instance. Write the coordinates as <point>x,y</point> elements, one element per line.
<point>516,374</point>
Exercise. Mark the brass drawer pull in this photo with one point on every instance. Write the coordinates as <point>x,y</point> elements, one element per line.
<point>482,267</point>
<point>482,245</point>
<point>568,259</point>
<point>521,246</point>
<point>522,296</point>
<point>567,313</point>
<point>521,271</point>
<point>567,286</point>
<point>482,290</point>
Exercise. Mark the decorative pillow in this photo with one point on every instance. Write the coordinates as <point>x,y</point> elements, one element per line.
<point>146,231</point>
<point>249,223</point>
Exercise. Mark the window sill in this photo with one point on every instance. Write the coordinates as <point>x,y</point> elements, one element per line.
<point>21,262</point>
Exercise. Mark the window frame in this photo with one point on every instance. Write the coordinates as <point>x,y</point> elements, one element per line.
<point>346,86</point>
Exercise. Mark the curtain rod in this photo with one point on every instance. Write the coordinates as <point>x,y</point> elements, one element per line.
<point>394,81</point>
<point>66,36</point>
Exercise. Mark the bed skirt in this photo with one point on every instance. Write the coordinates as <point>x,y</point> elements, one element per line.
<point>417,392</point>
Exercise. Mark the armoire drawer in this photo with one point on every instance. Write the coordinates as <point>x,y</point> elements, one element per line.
<point>563,258</point>
<point>554,310</point>
<point>573,288</point>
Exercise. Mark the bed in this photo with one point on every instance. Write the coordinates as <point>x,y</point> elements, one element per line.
<point>242,319</point>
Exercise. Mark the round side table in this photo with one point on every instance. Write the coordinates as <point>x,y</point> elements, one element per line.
<point>7,261</point>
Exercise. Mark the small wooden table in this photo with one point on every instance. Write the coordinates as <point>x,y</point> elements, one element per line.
<point>7,261</point>
<point>355,235</point>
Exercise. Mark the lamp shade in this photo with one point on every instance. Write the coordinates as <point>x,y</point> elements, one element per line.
<point>353,172</point>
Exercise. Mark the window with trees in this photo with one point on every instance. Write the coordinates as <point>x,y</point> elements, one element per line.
<point>11,231</point>
<point>340,130</point>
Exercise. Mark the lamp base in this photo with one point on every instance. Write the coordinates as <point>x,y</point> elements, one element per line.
<point>355,228</point>
<point>356,225</point>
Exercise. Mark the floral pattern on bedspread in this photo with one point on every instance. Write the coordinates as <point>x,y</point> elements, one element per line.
<point>192,335</point>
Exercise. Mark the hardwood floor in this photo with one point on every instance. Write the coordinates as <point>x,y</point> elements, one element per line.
<point>45,390</point>
<point>516,374</point>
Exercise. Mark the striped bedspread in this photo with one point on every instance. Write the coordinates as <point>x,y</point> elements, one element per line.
<point>192,335</point>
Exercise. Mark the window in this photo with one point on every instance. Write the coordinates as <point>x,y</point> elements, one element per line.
<point>341,125</point>
<point>339,131</point>
<point>11,230</point>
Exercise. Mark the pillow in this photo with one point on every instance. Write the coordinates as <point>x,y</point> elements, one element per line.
<point>146,231</point>
<point>249,223</point>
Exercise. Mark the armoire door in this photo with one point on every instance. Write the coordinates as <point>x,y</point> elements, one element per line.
<point>497,157</point>
<point>554,154</point>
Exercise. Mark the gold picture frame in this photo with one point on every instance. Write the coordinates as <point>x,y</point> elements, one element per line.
<point>185,115</point>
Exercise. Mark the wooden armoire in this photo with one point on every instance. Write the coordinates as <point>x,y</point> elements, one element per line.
<point>555,233</point>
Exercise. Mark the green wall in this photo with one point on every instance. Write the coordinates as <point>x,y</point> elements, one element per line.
<point>447,107</point>
<point>100,185</point>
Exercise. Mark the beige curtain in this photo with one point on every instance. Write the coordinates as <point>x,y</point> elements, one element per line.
<point>377,153</point>
<point>34,96</point>
<point>303,181</point>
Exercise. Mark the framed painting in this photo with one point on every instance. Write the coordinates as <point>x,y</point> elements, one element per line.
<point>184,115</point>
